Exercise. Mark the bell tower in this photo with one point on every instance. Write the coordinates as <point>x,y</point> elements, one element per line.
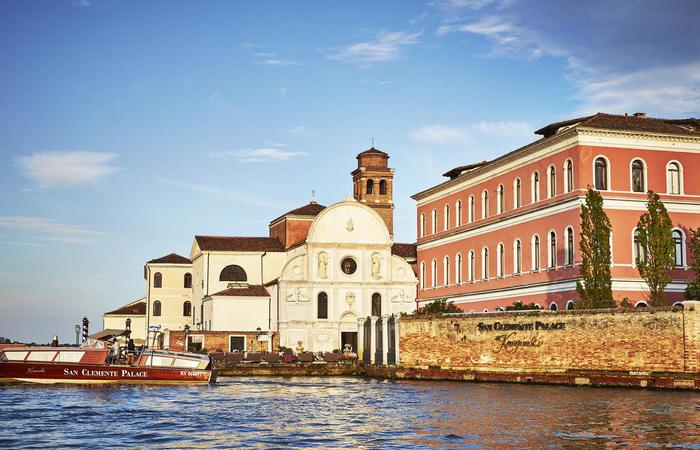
<point>373,184</point>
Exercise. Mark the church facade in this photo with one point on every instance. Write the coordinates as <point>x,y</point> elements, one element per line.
<point>306,284</point>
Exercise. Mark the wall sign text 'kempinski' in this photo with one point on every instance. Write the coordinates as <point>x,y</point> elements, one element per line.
<point>531,326</point>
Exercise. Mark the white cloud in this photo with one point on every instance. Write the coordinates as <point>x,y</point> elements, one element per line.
<point>56,169</point>
<point>48,230</point>
<point>224,194</point>
<point>278,62</point>
<point>300,130</point>
<point>265,154</point>
<point>440,134</point>
<point>387,46</point>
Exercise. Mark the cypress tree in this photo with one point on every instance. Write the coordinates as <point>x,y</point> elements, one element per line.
<point>595,286</point>
<point>692,292</point>
<point>655,258</point>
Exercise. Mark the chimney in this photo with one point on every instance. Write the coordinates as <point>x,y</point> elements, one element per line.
<point>640,115</point>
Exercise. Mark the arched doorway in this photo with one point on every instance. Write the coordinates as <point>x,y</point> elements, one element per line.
<point>348,332</point>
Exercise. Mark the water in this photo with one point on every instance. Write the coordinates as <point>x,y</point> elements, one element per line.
<point>345,412</point>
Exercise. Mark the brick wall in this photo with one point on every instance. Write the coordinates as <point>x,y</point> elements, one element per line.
<point>645,340</point>
<point>219,340</point>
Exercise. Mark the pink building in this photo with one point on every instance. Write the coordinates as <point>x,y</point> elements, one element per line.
<point>507,230</point>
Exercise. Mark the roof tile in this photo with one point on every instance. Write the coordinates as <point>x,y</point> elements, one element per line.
<point>239,244</point>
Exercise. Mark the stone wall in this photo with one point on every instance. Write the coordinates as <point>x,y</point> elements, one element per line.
<point>219,340</point>
<point>638,340</point>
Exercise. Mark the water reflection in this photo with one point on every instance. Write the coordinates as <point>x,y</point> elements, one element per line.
<point>346,412</point>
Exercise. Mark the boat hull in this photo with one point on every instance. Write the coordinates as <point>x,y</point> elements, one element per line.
<point>51,373</point>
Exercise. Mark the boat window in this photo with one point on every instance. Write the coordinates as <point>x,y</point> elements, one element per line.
<point>70,356</point>
<point>41,356</point>
<point>15,356</point>
<point>188,363</point>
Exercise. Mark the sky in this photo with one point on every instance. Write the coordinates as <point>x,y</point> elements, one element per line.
<point>127,127</point>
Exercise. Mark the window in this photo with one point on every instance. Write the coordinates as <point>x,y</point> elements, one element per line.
<point>501,255</point>
<point>535,253</point>
<point>422,225</point>
<point>156,308</point>
<point>458,213</point>
<point>157,280</point>
<point>471,208</point>
<point>553,306</point>
<point>472,265</point>
<point>570,246</point>
<point>348,266</point>
<point>433,274</point>
<point>569,305</point>
<point>186,309</point>
<point>485,263</point>
<point>458,268</point>
<point>370,186</point>
<point>188,281</point>
<point>382,187</point>
<point>638,252</point>
<point>446,271</point>
<point>422,275</point>
<point>484,204</point>
<point>678,248</point>
<point>673,178</point>
<point>552,249</point>
<point>535,187</point>
<point>433,221</point>
<point>501,199</point>
<point>236,344</point>
<point>233,273</point>
<point>517,256</point>
<point>447,217</point>
<point>569,178</point>
<point>322,306</point>
<point>637,176</point>
<point>376,305</point>
<point>517,194</point>
<point>552,182</point>
<point>600,174</point>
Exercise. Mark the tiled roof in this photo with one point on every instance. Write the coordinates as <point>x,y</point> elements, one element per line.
<point>239,244</point>
<point>132,309</point>
<point>637,122</point>
<point>457,171</point>
<point>311,209</point>
<point>172,258</point>
<point>404,250</point>
<point>373,151</point>
<point>251,290</point>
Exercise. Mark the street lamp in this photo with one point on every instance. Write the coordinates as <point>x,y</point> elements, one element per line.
<point>187,331</point>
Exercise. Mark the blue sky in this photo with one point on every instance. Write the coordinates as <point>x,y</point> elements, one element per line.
<point>127,127</point>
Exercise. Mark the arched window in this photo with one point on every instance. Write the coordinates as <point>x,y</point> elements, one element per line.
<point>382,187</point>
<point>485,263</point>
<point>569,305</point>
<point>678,256</point>
<point>433,221</point>
<point>422,275</point>
<point>569,246</point>
<point>501,199</point>
<point>552,249</point>
<point>446,271</point>
<point>535,252</point>
<point>484,204</point>
<point>517,257</point>
<point>535,187</point>
<point>376,304</point>
<point>637,176</point>
<point>553,306</point>
<point>471,208</point>
<point>422,225</point>
<point>472,265</point>
<point>186,309</point>
<point>433,274</point>
<point>569,178</point>
<point>458,213</point>
<point>458,268</point>
<point>233,273</point>
<point>517,194</point>
<point>638,252</point>
<point>322,305</point>
<point>600,174</point>
<point>674,178</point>
<point>370,186</point>
<point>188,281</point>
<point>501,255</point>
<point>552,182</point>
<point>156,308</point>
<point>641,304</point>
<point>446,217</point>
<point>157,280</point>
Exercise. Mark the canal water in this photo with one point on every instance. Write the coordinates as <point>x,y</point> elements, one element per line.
<point>345,412</point>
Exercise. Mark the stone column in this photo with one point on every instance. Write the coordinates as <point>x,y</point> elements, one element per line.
<point>360,338</point>
<point>385,339</point>
<point>269,342</point>
<point>396,338</point>
<point>373,343</point>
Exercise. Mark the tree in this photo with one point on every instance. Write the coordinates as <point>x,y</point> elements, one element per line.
<point>655,257</point>
<point>692,292</point>
<point>595,286</point>
<point>520,306</point>
<point>440,306</point>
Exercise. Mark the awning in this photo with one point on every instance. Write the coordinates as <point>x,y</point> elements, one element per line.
<point>108,334</point>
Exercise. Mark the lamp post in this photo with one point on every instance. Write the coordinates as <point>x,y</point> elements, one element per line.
<point>257,337</point>
<point>77,335</point>
<point>187,331</point>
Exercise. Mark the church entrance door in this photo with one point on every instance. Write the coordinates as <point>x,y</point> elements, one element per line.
<point>348,338</point>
